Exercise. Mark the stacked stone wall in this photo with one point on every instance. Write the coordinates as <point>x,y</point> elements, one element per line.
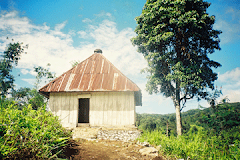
<point>121,135</point>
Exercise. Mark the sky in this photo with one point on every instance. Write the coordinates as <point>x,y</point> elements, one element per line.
<point>61,32</point>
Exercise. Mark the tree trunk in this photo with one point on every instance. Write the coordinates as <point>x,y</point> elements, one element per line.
<point>176,101</point>
<point>178,119</point>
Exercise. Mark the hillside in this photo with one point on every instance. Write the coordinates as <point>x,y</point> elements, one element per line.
<point>223,116</point>
<point>211,133</point>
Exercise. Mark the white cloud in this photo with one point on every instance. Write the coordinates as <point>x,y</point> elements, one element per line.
<point>24,71</point>
<point>30,81</point>
<point>11,23</point>
<point>60,26</point>
<point>82,34</point>
<point>116,46</point>
<point>103,14</point>
<point>229,24</point>
<point>231,85</point>
<point>53,46</point>
<point>57,31</point>
<point>230,33</point>
<point>86,20</point>
<point>233,75</point>
<point>234,13</point>
<point>45,45</point>
<point>155,103</point>
<point>232,95</point>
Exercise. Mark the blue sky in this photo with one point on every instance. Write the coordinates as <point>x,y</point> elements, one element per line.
<point>60,32</point>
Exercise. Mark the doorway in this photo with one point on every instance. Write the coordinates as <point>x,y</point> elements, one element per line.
<point>83,110</point>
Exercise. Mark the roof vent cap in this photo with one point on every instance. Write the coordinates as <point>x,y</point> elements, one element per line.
<point>98,51</point>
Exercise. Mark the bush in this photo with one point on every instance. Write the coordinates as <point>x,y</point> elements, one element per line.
<point>29,133</point>
<point>196,144</point>
<point>25,96</point>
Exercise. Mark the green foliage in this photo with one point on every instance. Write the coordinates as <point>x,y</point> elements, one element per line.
<point>224,116</point>
<point>9,58</point>
<point>213,97</point>
<point>175,37</point>
<point>37,100</point>
<point>29,133</point>
<point>25,96</point>
<point>43,73</point>
<point>21,94</point>
<point>216,119</point>
<point>196,144</point>
<point>211,133</point>
<point>74,63</point>
<point>151,122</point>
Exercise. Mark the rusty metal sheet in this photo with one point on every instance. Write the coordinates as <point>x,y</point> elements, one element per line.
<point>98,66</point>
<point>56,84</point>
<point>108,80</point>
<point>95,73</point>
<point>121,83</point>
<point>88,67</point>
<point>97,82</point>
<point>105,67</point>
<point>129,86</point>
<point>65,81</point>
<point>77,78</point>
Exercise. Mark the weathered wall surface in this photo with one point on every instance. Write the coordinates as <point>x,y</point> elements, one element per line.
<point>65,106</point>
<point>106,108</point>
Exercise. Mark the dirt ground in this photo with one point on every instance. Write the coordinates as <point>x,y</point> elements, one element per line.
<point>105,150</point>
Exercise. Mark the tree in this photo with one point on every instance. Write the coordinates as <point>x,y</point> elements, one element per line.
<point>43,73</point>
<point>175,37</point>
<point>212,98</point>
<point>21,96</point>
<point>37,100</point>
<point>25,96</point>
<point>10,58</point>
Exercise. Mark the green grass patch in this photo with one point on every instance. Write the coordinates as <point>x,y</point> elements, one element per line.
<point>197,143</point>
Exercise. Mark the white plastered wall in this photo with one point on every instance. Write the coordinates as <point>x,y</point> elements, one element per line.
<point>106,108</point>
<point>112,108</point>
<point>65,106</point>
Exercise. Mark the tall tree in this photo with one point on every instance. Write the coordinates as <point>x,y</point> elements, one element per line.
<point>175,37</point>
<point>9,58</point>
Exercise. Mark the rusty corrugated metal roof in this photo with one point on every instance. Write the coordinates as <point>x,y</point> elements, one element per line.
<point>95,73</point>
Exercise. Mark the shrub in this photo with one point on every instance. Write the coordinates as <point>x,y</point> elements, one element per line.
<point>196,144</point>
<point>29,133</point>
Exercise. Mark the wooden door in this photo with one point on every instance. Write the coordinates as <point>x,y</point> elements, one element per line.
<point>83,110</point>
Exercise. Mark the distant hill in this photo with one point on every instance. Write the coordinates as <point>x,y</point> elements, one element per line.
<point>221,117</point>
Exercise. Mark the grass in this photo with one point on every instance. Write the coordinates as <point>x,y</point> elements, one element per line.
<point>196,144</point>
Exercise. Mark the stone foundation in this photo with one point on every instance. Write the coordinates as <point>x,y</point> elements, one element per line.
<point>123,134</point>
<point>118,135</point>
